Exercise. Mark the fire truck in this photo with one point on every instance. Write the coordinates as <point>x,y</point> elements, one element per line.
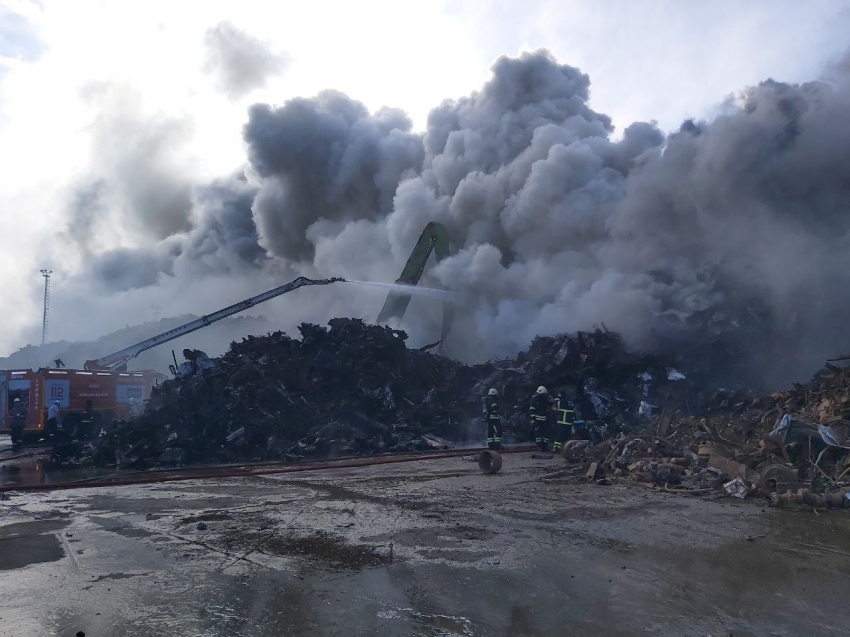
<point>101,391</point>
<point>106,393</point>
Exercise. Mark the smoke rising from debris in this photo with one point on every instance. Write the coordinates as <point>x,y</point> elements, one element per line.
<point>556,224</point>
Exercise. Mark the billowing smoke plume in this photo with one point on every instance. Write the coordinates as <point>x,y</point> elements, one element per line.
<point>222,240</point>
<point>556,223</point>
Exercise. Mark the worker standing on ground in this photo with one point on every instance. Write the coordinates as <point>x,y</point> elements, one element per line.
<point>493,413</point>
<point>566,411</point>
<point>53,419</point>
<point>134,408</point>
<point>541,415</point>
<point>18,416</point>
<point>87,420</point>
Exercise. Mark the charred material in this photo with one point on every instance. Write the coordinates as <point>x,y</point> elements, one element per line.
<point>792,447</point>
<point>349,388</point>
<point>353,388</point>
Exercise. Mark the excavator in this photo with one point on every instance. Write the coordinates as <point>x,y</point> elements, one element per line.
<point>104,390</point>
<point>434,238</point>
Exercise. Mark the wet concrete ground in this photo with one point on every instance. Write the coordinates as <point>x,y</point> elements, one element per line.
<point>424,548</point>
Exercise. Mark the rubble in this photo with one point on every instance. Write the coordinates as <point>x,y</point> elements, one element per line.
<point>792,447</point>
<point>347,389</point>
<point>352,389</point>
<point>356,389</point>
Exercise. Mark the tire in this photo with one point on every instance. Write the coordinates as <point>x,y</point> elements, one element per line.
<point>489,461</point>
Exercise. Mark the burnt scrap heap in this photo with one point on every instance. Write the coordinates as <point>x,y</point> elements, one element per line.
<point>349,388</point>
<point>354,388</point>
<point>791,446</point>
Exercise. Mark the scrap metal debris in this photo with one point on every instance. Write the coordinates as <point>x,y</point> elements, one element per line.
<point>354,389</point>
<point>346,389</point>
<point>791,447</point>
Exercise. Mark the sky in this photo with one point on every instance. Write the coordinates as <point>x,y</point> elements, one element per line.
<point>117,118</point>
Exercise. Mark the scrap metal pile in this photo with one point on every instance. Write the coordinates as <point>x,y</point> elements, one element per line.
<point>352,389</point>
<point>357,389</point>
<point>791,447</point>
<point>594,369</point>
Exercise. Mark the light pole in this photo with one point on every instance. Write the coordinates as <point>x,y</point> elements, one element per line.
<point>46,274</point>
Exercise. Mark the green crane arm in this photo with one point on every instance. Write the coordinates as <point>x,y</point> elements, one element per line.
<point>434,238</point>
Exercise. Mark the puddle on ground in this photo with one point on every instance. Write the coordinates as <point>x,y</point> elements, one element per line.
<point>24,543</point>
<point>122,526</point>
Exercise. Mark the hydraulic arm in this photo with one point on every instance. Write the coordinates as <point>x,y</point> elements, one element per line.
<point>433,238</point>
<point>120,358</point>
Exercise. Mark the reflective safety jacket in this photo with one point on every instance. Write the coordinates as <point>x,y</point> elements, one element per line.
<point>541,406</point>
<point>566,412</point>
<point>493,411</point>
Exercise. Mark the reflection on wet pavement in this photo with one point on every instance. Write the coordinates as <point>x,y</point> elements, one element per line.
<point>434,548</point>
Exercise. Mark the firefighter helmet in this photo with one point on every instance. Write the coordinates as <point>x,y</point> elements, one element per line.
<point>542,390</point>
<point>17,400</point>
<point>493,392</point>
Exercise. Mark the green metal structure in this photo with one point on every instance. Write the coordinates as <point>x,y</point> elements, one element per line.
<point>434,238</point>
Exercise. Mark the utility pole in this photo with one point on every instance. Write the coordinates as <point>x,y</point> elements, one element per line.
<point>46,274</point>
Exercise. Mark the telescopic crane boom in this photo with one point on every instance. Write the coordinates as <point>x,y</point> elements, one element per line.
<point>120,358</point>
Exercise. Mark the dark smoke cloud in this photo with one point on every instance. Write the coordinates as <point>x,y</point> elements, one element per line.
<point>222,240</point>
<point>240,62</point>
<point>128,268</point>
<point>557,225</point>
<point>224,237</point>
<point>325,159</point>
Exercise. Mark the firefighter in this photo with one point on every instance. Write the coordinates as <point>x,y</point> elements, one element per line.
<point>87,420</point>
<point>541,413</point>
<point>493,413</point>
<point>566,411</point>
<point>18,414</point>
<point>53,419</point>
<point>134,408</point>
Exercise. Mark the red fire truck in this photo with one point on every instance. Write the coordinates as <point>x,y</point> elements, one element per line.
<point>105,381</point>
<point>109,393</point>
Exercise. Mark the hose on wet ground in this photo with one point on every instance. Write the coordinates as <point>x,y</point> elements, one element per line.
<point>234,471</point>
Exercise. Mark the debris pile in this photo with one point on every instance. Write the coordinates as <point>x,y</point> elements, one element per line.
<point>594,369</point>
<point>350,388</point>
<point>353,388</point>
<point>792,446</point>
